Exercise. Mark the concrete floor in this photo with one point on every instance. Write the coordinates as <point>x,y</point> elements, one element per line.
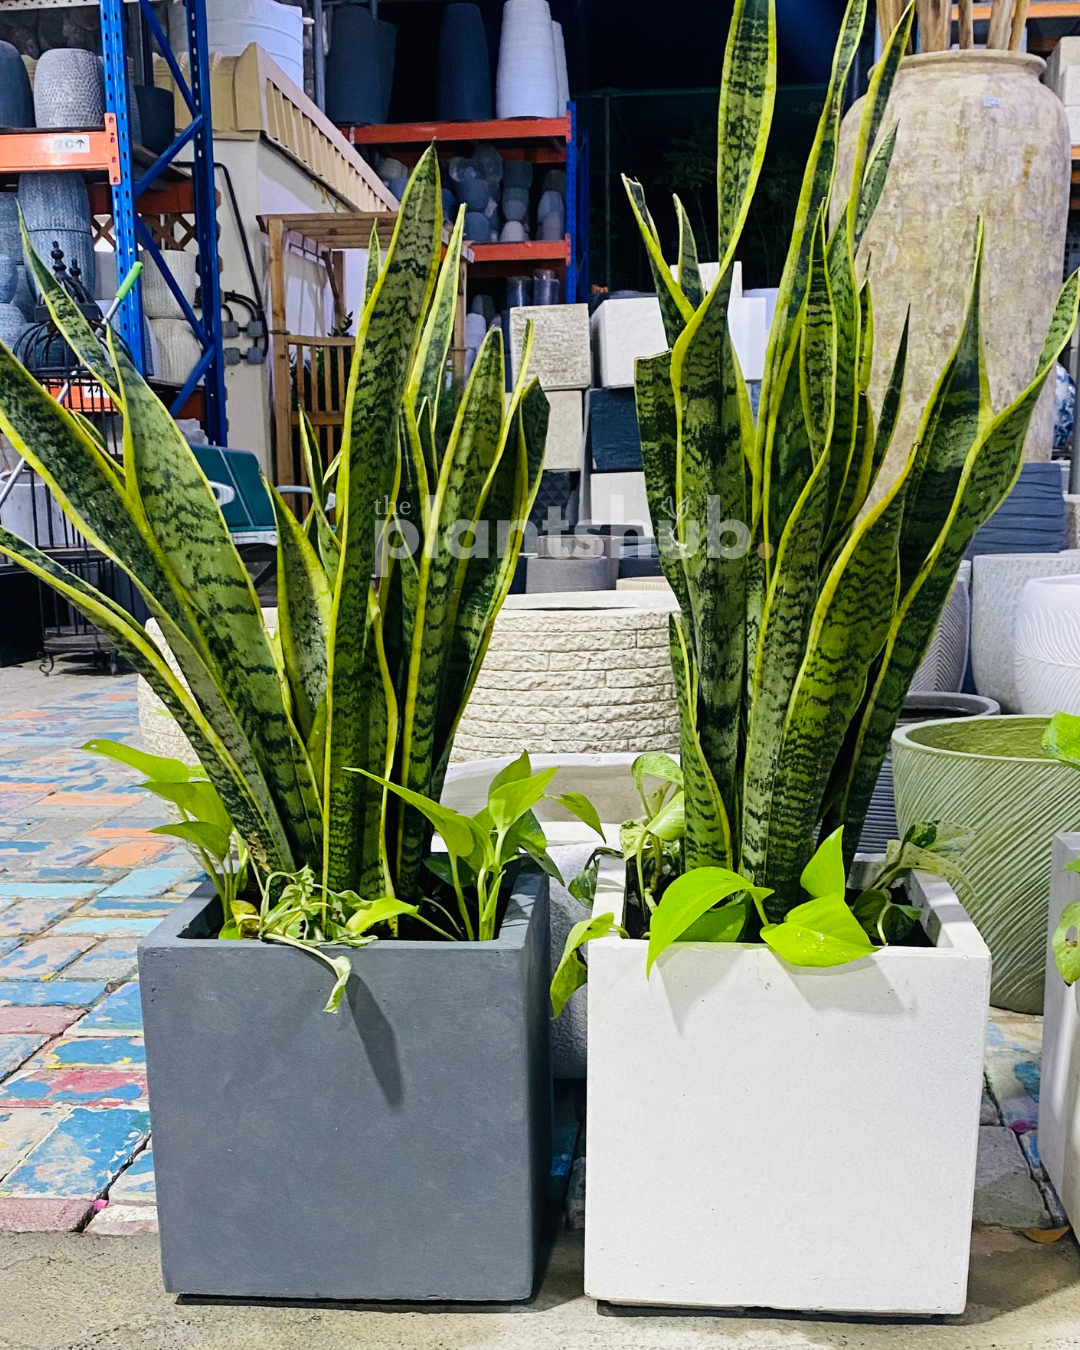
<point>77,1292</point>
<point>25,687</point>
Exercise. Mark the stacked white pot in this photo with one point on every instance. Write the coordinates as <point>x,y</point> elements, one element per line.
<point>1047,646</point>
<point>528,80</point>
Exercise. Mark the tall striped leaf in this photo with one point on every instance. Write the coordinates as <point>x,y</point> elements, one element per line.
<point>374,264</point>
<point>658,431</point>
<point>845,296</point>
<point>304,599</point>
<point>429,367</point>
<point>790,459</point>
<point>689,271</point>
<point>675,309</point>
<point>818,350</point>
<point>708,839</point>
<point>747,96</point>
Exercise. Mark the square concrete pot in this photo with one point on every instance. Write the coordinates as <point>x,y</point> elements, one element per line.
<point>1059,1086</point>
<point>397,1150</point>
<point>762,1135</point>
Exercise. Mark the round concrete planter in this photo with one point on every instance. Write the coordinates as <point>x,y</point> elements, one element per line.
<point>997,580</point>
<point>978,135</point>
<point>989,776</point>
<point>574,674</point>
<point>1047,646</point>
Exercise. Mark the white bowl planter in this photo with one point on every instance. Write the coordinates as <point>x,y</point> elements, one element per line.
<point>1047,646</point>
<point>1059,1090</point>
<point>751,1124</point>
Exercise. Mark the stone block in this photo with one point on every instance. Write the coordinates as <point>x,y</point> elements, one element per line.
<point>81,1156</point>
<point>558,575</point>
<point>1073,114</point>
<point>21,1130</point>
<point>561,354</point>
<point>565,430</point>
<point>40,959</point>
<point>1064,56</point>
<point>623,330</point>
<point>620,499</point>
<point>1006,1195</point>
<point>614,444</point>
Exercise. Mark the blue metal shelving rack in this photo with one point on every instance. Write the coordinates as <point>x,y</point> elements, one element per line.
<point>129,231</point>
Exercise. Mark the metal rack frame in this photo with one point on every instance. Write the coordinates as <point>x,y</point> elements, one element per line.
<point>130,232</point>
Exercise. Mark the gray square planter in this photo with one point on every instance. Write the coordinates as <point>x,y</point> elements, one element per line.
<point>398,1150</point>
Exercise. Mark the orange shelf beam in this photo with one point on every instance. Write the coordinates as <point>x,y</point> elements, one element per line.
<point>421,133</point>
<point>176,198</point>
<point>34,151</point>
<point>531,251</point>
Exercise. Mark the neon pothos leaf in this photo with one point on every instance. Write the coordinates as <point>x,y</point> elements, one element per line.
<point>1066,950</point>
<point>379,911</point>
<point>824,874</point>
<point>687,899</point>
<point>571,972</point>
<point>512,772</point>
<point>1061,739</point>
<point>509,802</point>
<point>158,767</point>
<point>210,838</point>
<point>821,932</point>
<point>579,805</point>
<point>656,765</point>
<point>460,834</point>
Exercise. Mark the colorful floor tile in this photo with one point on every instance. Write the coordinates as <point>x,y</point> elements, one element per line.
<point>21,1130</point>
<point>73,1087</point>
<point>16,1048</point>
<point>48,993</point>
<point>113,960</point>
<point>120,1013</point>
<point>135,1184</point>
<point>84,1052</point>
<point>41,958</point>
<point>81,1156</point>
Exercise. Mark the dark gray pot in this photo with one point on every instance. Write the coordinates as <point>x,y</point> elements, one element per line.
<point>398,1150</point>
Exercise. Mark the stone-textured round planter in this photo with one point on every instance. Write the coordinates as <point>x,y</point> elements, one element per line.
<point>787,1100</point>
<point>990,776</point>
<point>1047,646</point>
<point>997,581</point>
<point>397,1150</point>
<point>978,135</point>
<point>573,674</point>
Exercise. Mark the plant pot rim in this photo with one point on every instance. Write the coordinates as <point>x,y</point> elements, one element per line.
<point>956,934</point>
<point>994,59</point>
<point>903,736</point>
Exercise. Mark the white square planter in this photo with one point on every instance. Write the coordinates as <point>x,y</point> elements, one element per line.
<point>1059,1088</point>
<point>762,1135</point>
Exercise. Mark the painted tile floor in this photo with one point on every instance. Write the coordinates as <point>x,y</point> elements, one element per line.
<point>81,881</point>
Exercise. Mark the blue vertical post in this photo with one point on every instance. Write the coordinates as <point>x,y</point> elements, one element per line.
<point>129,319</point>
<point>217,424</point>
<point>571,289</point>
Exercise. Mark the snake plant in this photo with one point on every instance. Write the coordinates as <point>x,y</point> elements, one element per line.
<point>378,643</point>
<point>792,657</point>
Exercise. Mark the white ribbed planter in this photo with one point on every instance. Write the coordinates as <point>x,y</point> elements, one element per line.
<point>574,674</point>
<point>528,79</point>
<point>989,776</point>
<point>943,667</point>
<point>751,1124</point>
<point>997,580</point>
<point>1047,646</point>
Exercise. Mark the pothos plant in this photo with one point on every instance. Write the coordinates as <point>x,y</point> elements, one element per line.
<point>1061,741</point>
<point>321,739</point>
<point>792,657</point>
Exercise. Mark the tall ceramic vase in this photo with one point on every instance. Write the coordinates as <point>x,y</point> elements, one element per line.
<point>528,82</point>
<point>977,135</point>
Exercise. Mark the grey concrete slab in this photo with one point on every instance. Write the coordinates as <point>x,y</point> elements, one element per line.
<point>25,687</point>
<point>77,1292</point>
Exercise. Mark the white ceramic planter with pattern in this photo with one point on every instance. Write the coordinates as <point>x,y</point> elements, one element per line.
<point>1046,646</point>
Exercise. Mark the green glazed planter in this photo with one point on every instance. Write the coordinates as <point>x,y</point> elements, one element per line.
<point>990,776</point>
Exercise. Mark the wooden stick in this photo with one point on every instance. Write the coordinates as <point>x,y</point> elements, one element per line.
<point>967,26</point>
<point>935,17</point>
<point>1018,24</point>
<point>1000,19</point>
<point>888,17</point>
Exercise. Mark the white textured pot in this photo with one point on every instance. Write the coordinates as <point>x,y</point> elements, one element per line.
<point>997,580</point>
<point>942,669</point>
<point>528,80</point>
<point>1047,646</point>
<point>978,136</point>
<point>751,1124</point>
<point>1059,1088</point>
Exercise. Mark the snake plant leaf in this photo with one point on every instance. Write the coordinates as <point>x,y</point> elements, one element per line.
<point>849,629</point>
<point>579,805</point>
<point>820,932</point>
<point>781,644</point>
<point>68,317</point>
<point>1067,950</point>
<point>790,459</point>
<point>825,873</point>
<point>304,601</point>
<point>173,503</point>
<point>675,309</point>
<point>658,431</point>
<point>861,203</point>
<point>873,184</point>
<point>845,296</point>
<point>989,472</point>
<point>890,404</point>
<point>818,349</point>
<point>710,482</point>
<point>161,768</point>
<point>708,829</point>
<point>571,972</point>
<point>259,827</point>
<point>690,896</point>
<point>1061,739</point>
<point>374,263</point>
<point>689,271</point>
<point>329,549</point>
<point>747,96</point>
<point>370,469</point>
<point>429,365</point>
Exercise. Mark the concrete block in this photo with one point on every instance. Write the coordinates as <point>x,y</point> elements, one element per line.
<point>49,993</point>
<point>547,575</point>
<point>42,1214</point>
<point>73,1087</point>
<point>16,1049</point>
<point>1065,55</point>
<point>620,499</point>
<point>623,330</point>
<point>42,958</point>
<point>119,1015</point>
<point>1006,1195</point>
<point>561,355</point>
<point>1073,114</point>
<point>565,430</point>
<point>1069,86</point>
<point>614,444</point>
<point>81,1156</point>
<point>23,1128</point>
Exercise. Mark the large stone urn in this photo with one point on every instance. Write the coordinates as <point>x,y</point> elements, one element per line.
<point>978,135</point>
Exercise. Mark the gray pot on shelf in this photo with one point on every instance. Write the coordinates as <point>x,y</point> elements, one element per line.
<point>69,89</point>
<point>16,96</point>
<point>436,1069</point>
<point>54,201</point>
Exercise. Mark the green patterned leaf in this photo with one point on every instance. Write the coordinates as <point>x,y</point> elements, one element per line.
<point>873,184</point>
<point>817,350</point>
<point>658,429</point>
<point>304,599</point>
<point>861,204</point>
<point>747,95</point>
<point>429,365</point>
<point>708,831</point>
<point>689,272</point>
<point>675,309</point>
<point>374,263</point>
